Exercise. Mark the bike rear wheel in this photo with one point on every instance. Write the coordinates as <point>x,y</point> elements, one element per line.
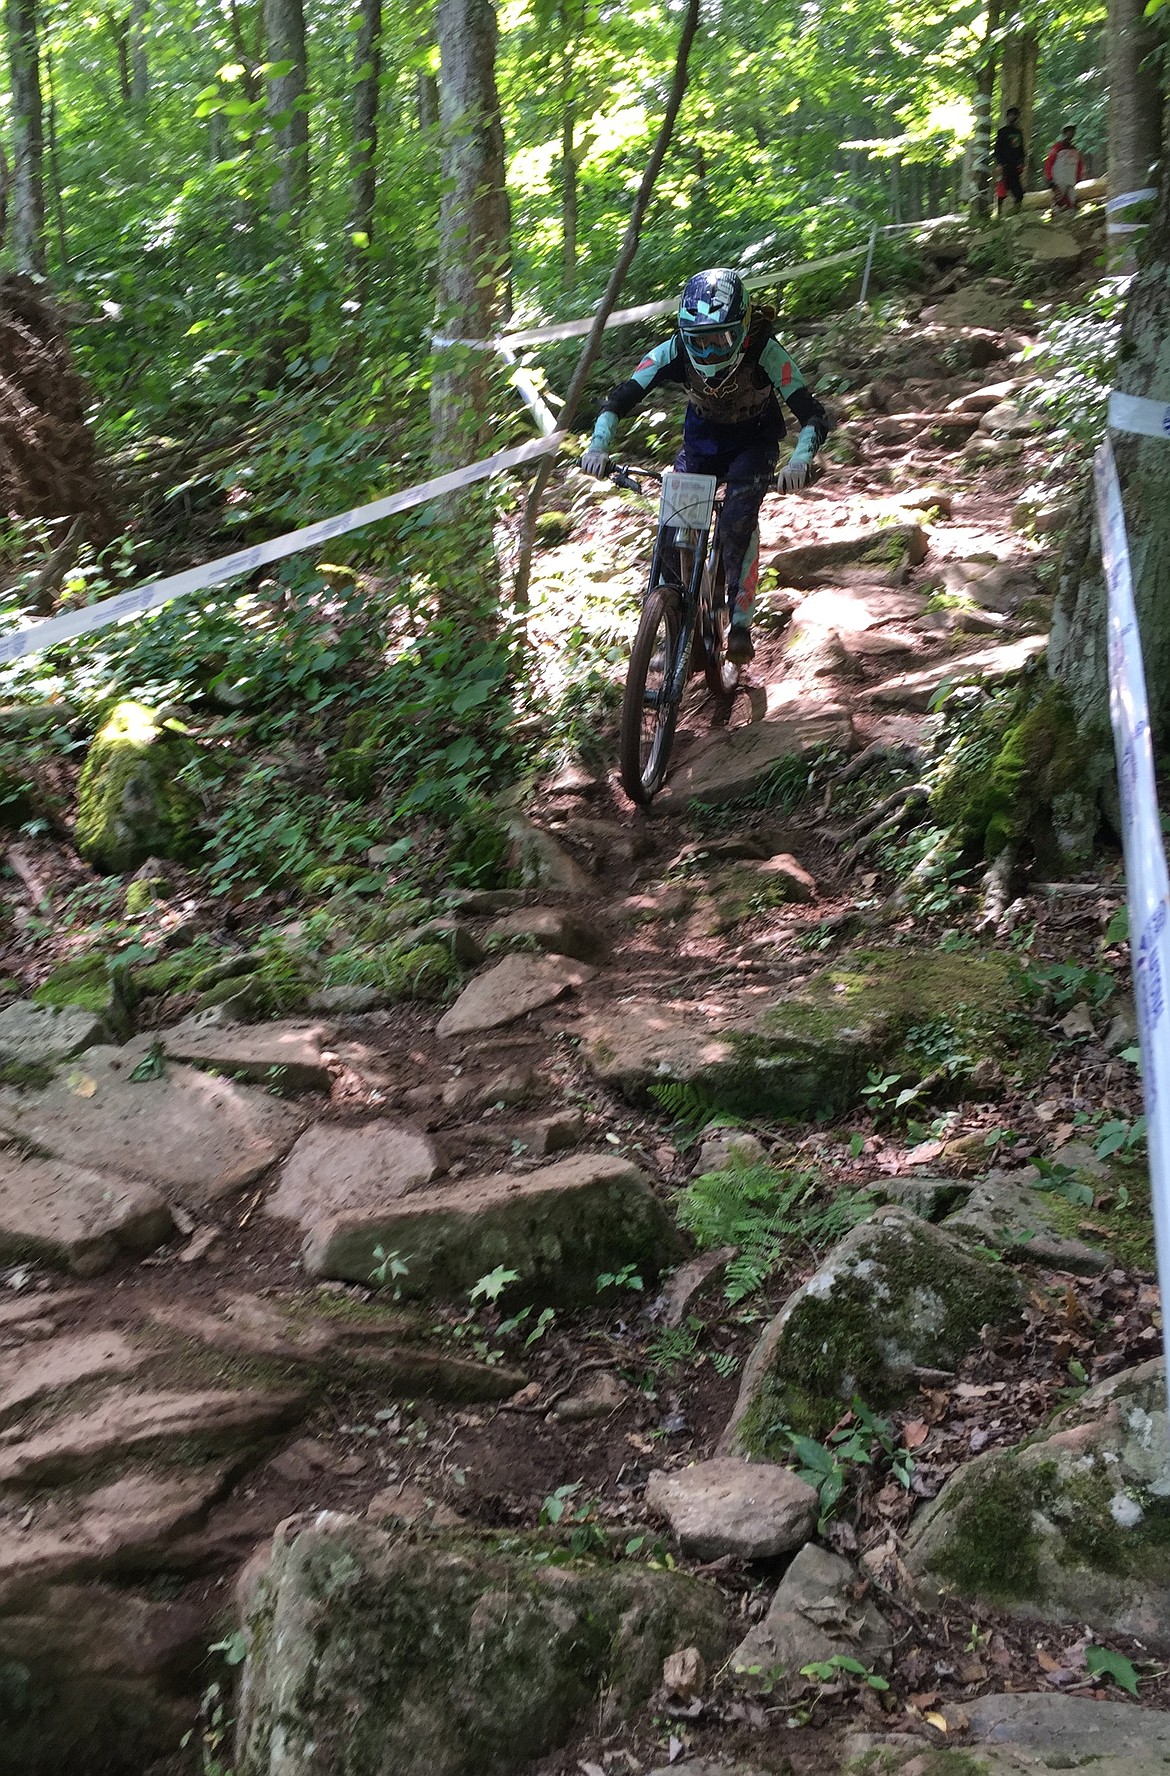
<point>722,677</point>
<point>648,714</point>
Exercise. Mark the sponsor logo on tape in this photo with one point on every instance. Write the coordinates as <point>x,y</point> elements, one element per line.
<point>39,636</point>
<point>1129,198</point>
<point>1136,413</point>
<point>1147,883</point>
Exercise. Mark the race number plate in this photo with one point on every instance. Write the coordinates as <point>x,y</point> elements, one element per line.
<point>687,500</point>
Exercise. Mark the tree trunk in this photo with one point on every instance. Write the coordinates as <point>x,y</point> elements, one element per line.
<point>428,102</point>
<point>28,190</point>
<point>1077,654</point>
<point>568,188</point>
<point>139,67</point>
<point>363,157</point>
<point>981,144</point>
<point>1135,115</point>
<point>120,32</point>
<point>54,163</point>
<point>284,34</point>
<point>474,295</point>
<point>1017,81</point>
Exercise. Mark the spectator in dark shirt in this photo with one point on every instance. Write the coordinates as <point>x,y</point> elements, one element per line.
<point>1011,155</point>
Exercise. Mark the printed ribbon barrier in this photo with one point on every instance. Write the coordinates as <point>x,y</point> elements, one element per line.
<point>1137,413</point>
<point>229,567</point>
<point>1147,884</point>
<point>1127,201</point>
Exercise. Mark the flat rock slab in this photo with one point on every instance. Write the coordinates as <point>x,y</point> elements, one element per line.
<point>1069,1726</point>
<point>388,1348</point>
<point>852,609</point>
<point>194,1135</point>
<point>333,1168</point>
<point>1014,1218</point>
<point>558,1227</point>
<point>75,1217</point>
<point>758,1054</point>
<point>749,1510</point>
<point>81,1535</point>
<point>551,929</point>
<point>990,665</point>
<point>732,763</point>
<point>42,1035</point>
<point>61,1363</point>
<point>287,1056</point>
<point>211,1420</point>
<point>516,986</point>
<point>815,1615</point>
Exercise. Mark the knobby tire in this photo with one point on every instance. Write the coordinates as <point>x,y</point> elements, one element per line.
<point>647,730</point>
<point>722,677</point>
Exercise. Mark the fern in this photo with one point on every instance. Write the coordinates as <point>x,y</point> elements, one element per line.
<point>689,1107</point>
<point>768,1213</point>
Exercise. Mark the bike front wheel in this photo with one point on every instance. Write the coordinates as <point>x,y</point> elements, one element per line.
<point>722,677</point>
<point>648,711</point>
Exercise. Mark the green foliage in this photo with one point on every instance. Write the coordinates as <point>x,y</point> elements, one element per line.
<point>827,1466</point>
<point>1102,1662</point>
<point>768,1213</point>
<point>826,1671</point>
<point>490,1287</point>
<point>625,1278</point>
<point>1067,983</point>
<point>388,1270</point>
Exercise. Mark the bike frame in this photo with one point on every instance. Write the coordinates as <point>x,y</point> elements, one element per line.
<point>703,550</point>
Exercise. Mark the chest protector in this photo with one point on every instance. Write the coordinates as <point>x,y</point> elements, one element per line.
<point>743,395</point>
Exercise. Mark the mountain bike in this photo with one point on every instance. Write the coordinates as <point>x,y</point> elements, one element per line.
<point>683,628</point>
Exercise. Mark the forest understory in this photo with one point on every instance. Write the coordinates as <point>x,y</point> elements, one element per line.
<point>882,830</point>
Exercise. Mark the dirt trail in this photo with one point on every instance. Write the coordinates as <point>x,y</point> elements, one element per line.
<point>159,1419</point>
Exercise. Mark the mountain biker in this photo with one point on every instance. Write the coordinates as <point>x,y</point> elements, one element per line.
<point>725,353</point>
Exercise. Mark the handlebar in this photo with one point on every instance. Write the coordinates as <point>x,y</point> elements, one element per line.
<point>630,476</point>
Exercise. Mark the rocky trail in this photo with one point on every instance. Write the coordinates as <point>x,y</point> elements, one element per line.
<point>435,1288</point>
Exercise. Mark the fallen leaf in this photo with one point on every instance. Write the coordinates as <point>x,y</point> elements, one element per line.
<point>971,1671</point>
<point>939,1721</point>
<point>675,1749</point>
<point>915,1433</point>
<point>202,1242</point>
<point>1046,1662</point>
<point>684,1673</point>
<point>82,1086</point>
<point>927,1699</point>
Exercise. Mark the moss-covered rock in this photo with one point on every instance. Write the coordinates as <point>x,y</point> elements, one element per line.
<point>96,983</point>
<point>1023,755</point>
<point>129,804</point>
<point>1073,1526</point>
<point>903,1009</point>
<point>897,1294</point>
<point>436,1653</point>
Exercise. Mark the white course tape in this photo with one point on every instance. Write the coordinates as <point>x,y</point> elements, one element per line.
<point>229,567</point>
<point>1125,227</point>
<point>1147,885</point>
<point>1135,413</point>
<point>1129,198</point>
<point>645,311</point>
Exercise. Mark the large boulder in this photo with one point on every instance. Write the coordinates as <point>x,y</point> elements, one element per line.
<point>557,1227</point>
<point>129,804</point>
<point>820,1612</point>
<point>896,1295</point>
<point>436,1653</point>
<point>1073,1526</point>
<point>812,1049</point>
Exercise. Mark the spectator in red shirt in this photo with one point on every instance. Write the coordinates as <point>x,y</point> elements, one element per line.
<point>1063,168</point>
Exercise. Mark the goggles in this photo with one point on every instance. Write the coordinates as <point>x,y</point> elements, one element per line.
<point>713,346</point>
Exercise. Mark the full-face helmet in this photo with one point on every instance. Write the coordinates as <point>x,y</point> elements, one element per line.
<point>713,319</point>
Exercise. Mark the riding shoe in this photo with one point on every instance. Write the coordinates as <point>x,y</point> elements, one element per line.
<point>740,648</point>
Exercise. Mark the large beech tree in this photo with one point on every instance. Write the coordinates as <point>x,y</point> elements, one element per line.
<point>473,298</point>
<point>28,142</point>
